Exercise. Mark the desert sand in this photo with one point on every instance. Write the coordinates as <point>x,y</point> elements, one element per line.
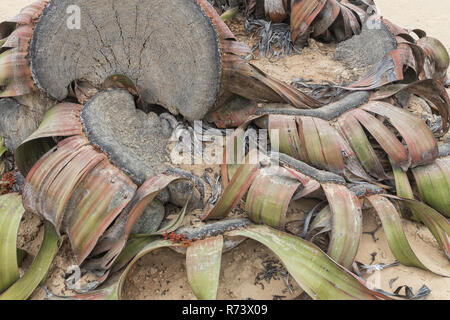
<point>432,16</point>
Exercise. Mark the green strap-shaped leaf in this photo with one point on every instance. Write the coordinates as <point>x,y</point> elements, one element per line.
<point>395,236</point>
<point>346,223</point>
<point>235,190</point>
<point>11,212</point>
<point>24,287</point>
<point>437,223</point>
<point>132,248</point>
<point>114,291</point>
<point>314,271</point>
<point>203,260</point>
<point>140,241</point>
<point>234,151</point>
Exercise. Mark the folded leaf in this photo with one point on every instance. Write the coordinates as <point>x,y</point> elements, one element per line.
<point>309,139</point>
<point>433,183</point>
<point>386,138</point>
<point>95,204</point>
<point>235,190</point>
<point>269,196</point>
<point>356,137</point>
<point>52,181</point>
<point>429,89</point>
<point>422,145</point>
<point>303,13</point>
<point>63,120</point>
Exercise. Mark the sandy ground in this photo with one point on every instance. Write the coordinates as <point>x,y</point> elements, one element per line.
<point>9,8</point>
<point>161,275</point>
